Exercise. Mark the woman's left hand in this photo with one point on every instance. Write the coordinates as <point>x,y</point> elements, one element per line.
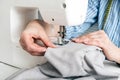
<point>100,39</point>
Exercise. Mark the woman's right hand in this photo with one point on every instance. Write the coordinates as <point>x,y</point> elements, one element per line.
<point>34,31</point>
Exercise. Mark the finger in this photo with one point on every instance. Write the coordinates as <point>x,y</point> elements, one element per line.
<point>36,50</point>
<point>75,40</point>
<point>94,42</point>
<point>47,42</point>
<point>97,32</point>
<point>28,44</point>
<point>80,39</point>
<point>87,41</point>
<point>94,35</point>
<point>37,54</point>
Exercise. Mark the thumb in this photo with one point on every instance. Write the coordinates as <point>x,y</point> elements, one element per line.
<point>48,43</point>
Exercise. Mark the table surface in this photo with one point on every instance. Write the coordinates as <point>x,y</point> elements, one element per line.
<point>6,71</point>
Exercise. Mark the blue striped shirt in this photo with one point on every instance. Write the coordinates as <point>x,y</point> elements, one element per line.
<point>95,13</point>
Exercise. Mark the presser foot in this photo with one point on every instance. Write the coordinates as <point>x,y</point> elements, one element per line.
<point>61,41</point>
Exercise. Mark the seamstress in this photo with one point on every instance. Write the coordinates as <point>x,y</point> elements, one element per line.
<point>107,37</point>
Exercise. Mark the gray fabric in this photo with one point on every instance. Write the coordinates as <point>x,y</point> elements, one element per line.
<point>73,62</point>
<point>28,74</point>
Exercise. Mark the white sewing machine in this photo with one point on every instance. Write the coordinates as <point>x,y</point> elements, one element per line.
<point>15,14</point>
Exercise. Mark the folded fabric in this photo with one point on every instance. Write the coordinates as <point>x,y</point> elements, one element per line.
<point>72,61</point>
<point>76,60</point>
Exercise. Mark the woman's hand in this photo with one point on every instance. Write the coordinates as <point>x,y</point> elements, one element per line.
<point>34,31</point>
<point>100,39</point>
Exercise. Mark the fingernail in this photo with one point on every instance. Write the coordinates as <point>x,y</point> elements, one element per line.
<point>54,46</point>
<point>85,42</point>
<point>44,49</point>
<point>73,39</point>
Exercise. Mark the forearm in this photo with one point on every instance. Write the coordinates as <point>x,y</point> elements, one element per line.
<point>112,53</point>
<point>35,23</point>
<point>38,25</point>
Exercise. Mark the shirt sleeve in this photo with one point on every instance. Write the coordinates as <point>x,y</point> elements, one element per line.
<point>91,18</point>
<point>92,13</point>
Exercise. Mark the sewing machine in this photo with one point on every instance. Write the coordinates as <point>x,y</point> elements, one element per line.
<point>15,14</point>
